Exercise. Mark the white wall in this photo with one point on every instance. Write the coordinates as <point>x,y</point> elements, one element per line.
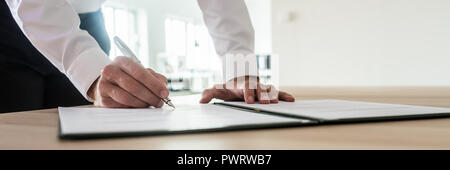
<point>260,14</point>
<point>363,42</point>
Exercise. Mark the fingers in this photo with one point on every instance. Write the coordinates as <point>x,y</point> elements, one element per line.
<point>267,94</point>
<point>125,83</point>
<point>286,97</point>
<point>138,72</point>
<point>121,96</point>
<point>159,76</point>
<point>223,94</point>
<point>249,90</point>
<point>207,96</point>
<point>130,85</point>
<point>249,96</point>
<point>273,94</point>
<point>262,94</point>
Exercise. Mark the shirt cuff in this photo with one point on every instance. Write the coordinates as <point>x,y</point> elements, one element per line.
<point>86,69</point>
<point>239,65</point>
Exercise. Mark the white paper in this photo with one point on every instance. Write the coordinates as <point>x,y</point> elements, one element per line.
<point>340,109</point>
<point>184,117</point>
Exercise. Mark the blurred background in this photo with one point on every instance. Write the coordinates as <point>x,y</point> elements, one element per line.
<point>298,42</point>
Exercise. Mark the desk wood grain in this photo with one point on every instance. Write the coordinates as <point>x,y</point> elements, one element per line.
<point>38,130</point>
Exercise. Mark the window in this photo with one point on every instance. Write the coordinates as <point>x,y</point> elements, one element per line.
<point>191,44</point>
<point>175,37</point>
<point>192,41</point>
<point>122,22</point>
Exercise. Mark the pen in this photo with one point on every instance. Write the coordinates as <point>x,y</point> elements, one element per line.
<point>127,52</point>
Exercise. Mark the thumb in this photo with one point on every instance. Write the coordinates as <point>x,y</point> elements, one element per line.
<point>207,96</point>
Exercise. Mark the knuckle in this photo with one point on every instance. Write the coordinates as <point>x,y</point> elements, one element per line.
<point>123,61</point>
<point>151,70</point>
<point>207,91</point>
<point>102,79</point>
<point>108,70</point>
<point>113,93</point>
<point>219,86</point>
<point>120,79</point>
<point>166,81</point>
<point>223,93</point>
<point>102,82</point>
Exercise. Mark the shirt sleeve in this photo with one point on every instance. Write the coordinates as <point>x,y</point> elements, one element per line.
<point>52,26</point>
<point>229,25</point>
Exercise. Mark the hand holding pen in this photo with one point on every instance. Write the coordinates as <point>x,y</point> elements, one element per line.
<point>126,84</point>
<point>127,52</point>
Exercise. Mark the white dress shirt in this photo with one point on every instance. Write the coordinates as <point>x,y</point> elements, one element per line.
<point>52,26</point>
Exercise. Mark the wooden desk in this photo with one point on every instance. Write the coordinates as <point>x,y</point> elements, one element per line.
<point>38,129</point>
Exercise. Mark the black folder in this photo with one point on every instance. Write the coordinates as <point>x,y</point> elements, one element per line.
<point>302,113</point>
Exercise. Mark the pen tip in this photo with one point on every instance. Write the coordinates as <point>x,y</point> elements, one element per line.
<point>171,104</point>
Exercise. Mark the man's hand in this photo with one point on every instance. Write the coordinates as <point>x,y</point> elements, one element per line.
<point>125,83</point>
<point>248,89</point>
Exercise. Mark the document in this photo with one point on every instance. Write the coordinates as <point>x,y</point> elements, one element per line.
<point>186,117</point>
<point>341,109</point>
<point>189,116</point>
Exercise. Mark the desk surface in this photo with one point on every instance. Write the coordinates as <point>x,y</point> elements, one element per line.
<point>38,129</point>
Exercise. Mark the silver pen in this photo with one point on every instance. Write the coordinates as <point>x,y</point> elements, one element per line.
<point>127,52</point>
